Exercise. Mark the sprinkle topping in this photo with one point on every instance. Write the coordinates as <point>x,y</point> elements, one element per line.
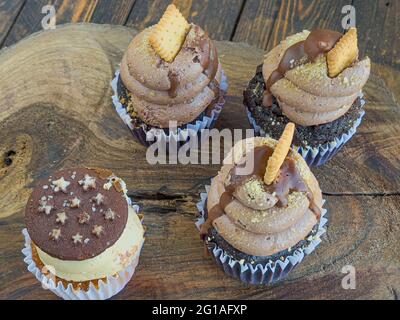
<point>55,234</point>
<point>98,199</point>
<point>77,238</point>
<point>88,182</point>
<point>45,207</point>
<point>98,230</point>
<point>75,202</point>
<point>61,217</point>
<point>83,218</point>
<point>109,214</point>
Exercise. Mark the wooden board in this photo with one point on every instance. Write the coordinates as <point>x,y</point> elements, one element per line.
<point>218,18</point>
<point>56,112</point>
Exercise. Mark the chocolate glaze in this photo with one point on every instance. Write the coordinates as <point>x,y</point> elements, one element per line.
<point>289,180</point>
<point>206,55</point>
<point>318,42</point>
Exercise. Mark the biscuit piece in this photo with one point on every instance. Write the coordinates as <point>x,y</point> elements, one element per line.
<point>169,34</point>
<point>281,150</point>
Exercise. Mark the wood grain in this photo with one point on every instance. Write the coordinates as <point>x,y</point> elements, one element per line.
<point>218,18</point>
<point>56,111</point>
<point>112,12</point>
<point>379,30</point>
<point>9,10</point>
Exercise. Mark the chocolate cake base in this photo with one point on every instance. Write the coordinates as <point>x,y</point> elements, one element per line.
<point>273,121</point>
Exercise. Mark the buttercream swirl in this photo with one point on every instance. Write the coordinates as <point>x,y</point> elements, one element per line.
<point>305,92</point>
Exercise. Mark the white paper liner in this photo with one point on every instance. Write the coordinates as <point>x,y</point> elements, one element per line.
<point>112,286</point>
<point>317,156</point>
<point>175,136</point>
<point>272,271</point>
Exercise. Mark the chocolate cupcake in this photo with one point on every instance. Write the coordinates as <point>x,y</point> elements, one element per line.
<point>259,228</point>
<point>154,88</point>
<point>315,80</point>
<point>83,236</point>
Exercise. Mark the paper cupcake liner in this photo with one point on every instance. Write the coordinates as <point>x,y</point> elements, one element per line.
<point>106,289</point>
<point>147,136</point>
<point>269,273</point>
<point>317,156</point>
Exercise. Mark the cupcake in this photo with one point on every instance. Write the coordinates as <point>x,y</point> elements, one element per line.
<point>314,79</point>
<point>170,72</point>
<point>263,212</point>
<point>83,236</point>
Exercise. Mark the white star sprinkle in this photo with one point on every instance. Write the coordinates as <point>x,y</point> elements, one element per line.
<point>44,207</point>
<point>61,217</point>
<point>97,230</point>
<point>88,182</point>
<point>77,238</point>
<point>75,202</point>
<point>55,234</point>
<point>109,215</point>
<point>99,199</point>
<point>60,184</point>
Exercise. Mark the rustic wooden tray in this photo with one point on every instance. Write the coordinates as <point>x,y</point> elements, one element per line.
<point>56,111</point>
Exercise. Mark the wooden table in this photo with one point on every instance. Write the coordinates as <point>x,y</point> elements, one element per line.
<point>55,112</point>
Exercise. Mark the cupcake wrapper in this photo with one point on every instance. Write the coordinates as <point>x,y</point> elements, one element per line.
<point>317,156</point>
<point>269,273</point>
<point>105,290</point>
<point>149,136</point>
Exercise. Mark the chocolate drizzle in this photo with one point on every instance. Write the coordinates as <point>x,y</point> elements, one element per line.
<point>289,180</point>
<point>318,42</point>
<point>174,79</point>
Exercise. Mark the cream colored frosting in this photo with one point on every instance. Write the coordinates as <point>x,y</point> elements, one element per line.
<point>267,229</point>
<point>147,77</point>
<point>306,94</point>
<point>113,260</point>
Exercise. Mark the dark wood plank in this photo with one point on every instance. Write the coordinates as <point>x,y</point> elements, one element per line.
<point>379,30</point>
<point>218,18</point>
<point>256,22</point>
<point>173,265</point>
<point>266,23</point>
<point>9,10</point>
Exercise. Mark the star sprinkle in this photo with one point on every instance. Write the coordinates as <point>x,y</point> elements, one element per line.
<point>44,207</point>
<point>77,238</point>
<point>88,182</point>
<point>83,218</point>
<point>60,184</point>
<point>61,217</point>
<point>55,234</point>
<point>97,230</point>
<point>98,199</point>
<point>109,215</point>
<point>75,202</point>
